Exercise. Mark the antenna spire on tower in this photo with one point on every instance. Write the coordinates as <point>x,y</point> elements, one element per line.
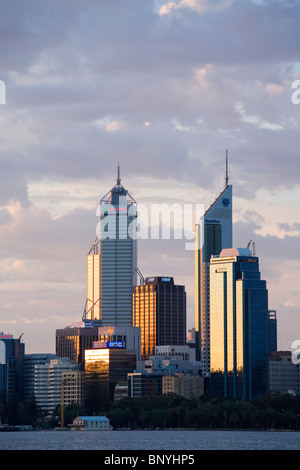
<point>226,177</point>
<point>119,179</point>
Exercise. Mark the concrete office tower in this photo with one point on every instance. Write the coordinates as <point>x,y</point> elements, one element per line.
<point>112,260</point>
<point>238,326</point>
<point>213,233</point>
<point>159,309</point>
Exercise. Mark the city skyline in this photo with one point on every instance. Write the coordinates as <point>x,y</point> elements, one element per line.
<point>163,88</point>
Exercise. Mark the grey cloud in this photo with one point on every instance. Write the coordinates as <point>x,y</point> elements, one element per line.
<point>289,227</point>
<point>270,248</point>
<point>125,62</point>
<point>4,216</point>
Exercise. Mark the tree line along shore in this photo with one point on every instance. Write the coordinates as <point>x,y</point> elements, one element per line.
<point>270,411</point>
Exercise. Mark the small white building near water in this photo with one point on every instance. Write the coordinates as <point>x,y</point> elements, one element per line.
<point>91,423</point>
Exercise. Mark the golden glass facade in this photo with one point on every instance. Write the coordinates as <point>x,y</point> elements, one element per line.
<point>104,368</point>
<point>72,342</point>
<point>159,309</point>
<point>238,327</point>
<point>144,316</point>
<point>93,287</point>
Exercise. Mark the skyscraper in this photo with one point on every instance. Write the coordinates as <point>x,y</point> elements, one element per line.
<point>213,233</point>
<point>12,353</point>
<point>112,260</point>
<point>159,309</point>
<point>238,326</point>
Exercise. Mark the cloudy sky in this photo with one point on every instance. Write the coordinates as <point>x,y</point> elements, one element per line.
<point>163,88</point>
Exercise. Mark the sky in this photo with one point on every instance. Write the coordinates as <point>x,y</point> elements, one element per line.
<point>162,88</point>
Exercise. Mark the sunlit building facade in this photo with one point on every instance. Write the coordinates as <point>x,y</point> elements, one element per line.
<point>238,326</point>
<point>112,260</point>
<point>159,309</point>
<point>73,341</point>
<point>93,284</point>
<point>73,387</point>
<point>212,234</point>
<point>104,369</point>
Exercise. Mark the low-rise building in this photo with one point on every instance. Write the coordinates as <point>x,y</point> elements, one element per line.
<point>91,423</point>
<point>284,375</point>
<point>185,385</point>
<point>148,381</point>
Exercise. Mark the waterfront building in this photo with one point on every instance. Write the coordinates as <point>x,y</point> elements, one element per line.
<point>186,385</point>
<point>30,376</point>
<point>105,366</point>
<point>44,378</point>
<point>148,381</point>
<point>141,384</point>
<point>73,387</point>
<point>284,374</point>
<point>112,260</point>
<point>212,234</point>
<point>11,366</point>
<point>159,309</point>
<point>238,326</point>
<point>91,423</point>
<point>75,339</point>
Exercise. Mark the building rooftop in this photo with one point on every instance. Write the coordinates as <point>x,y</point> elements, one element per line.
<point>235,252</point>
<point>93,418</point>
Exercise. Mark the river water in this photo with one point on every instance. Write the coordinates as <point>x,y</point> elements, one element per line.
<point>150,440</point>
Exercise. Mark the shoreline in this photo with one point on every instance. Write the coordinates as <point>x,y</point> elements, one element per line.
<point>58,429</point>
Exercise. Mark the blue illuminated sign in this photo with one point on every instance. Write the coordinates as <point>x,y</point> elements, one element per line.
<point>115,344</point>
<point>166,279</point>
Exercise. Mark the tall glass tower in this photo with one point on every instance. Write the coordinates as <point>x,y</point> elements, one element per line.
<point>112,260</point>
<point>239,348</point>
<point>213,233</point>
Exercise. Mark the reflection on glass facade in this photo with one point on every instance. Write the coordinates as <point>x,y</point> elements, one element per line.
<point>104,368</point>
<point>141,385</point>
<point>238,326</point>
<point>159,309</point>
<point>93,284</point>
<point>12,353</point>
<point>212,234</point>
<point>72,342</point>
